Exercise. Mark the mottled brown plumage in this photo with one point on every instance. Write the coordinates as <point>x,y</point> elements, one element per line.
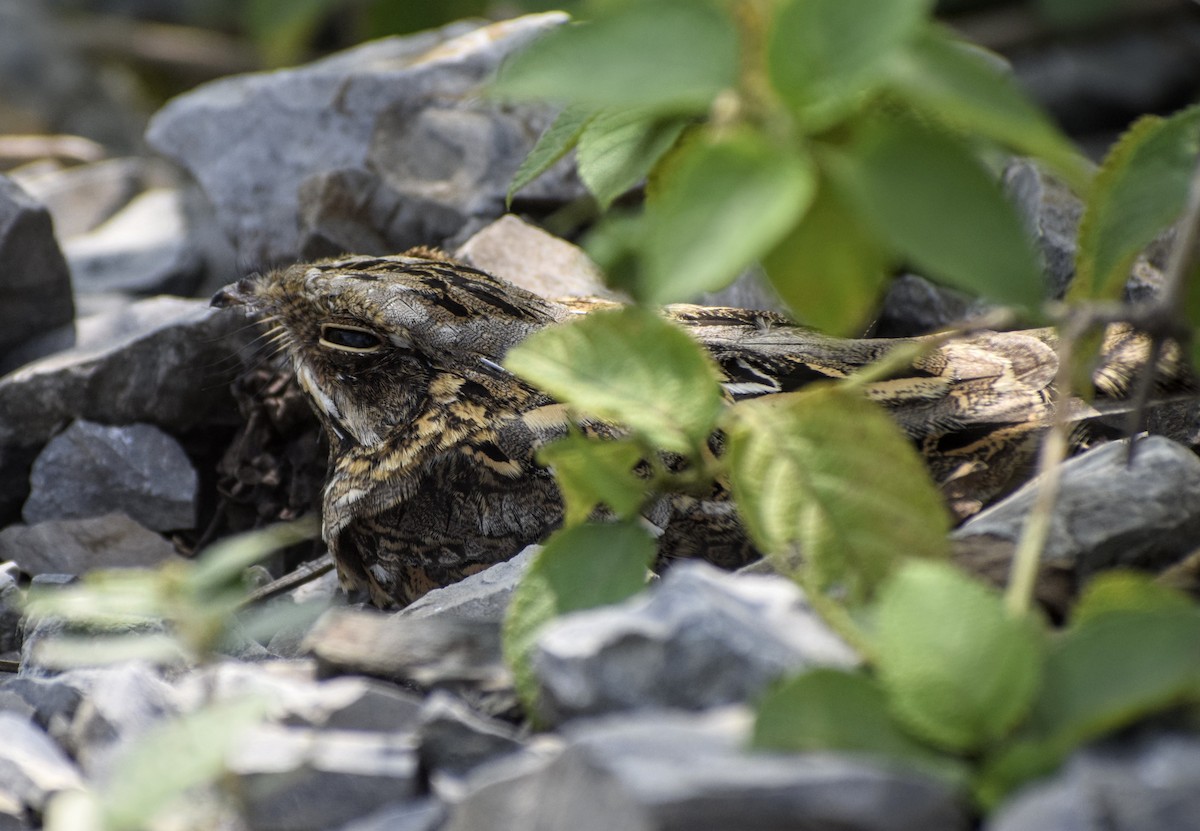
<point>432,474</point>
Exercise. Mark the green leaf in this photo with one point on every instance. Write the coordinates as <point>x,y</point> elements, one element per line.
<point>827,470</point>
<point>830,269</point>
<point>1140,190</point>
<point>558,140</point>
<point>221,565</point>
<point>1125,591</point>
<point>958,670</point>
<point>829,709</point>
<point>672,56</point>
<point>629,366</point>
<point>593,472</point>
<point>578,568</point>
<point>925,194</point>
<point>824,56</point>
<point>173,757</point>
<point>1109,672</point>
<point>618,148</point>
<point>960,85</point>
<point>720,206</point>
<point>1115,668</point>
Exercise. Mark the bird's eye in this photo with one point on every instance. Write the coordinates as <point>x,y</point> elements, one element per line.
<point>349,338</point>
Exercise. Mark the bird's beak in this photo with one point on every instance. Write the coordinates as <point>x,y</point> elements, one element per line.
<point>240,293</point>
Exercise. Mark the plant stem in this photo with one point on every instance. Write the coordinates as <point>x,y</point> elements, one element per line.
<point>1023,575</point>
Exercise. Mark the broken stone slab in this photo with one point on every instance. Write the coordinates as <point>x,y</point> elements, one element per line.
<point>533,259</point>
<point>298,779</point>
<point>35,284</point>
<point>11,609</point>
<point>659,771</point>
<point>1110,513</point>
<point>298,699</point>
<point>454,739</point>
<point>118,704</point>
<point>482,597</point>
<point>371,108</point>
<point>81,197</point>
<point>92,469</point>
<point>32,766</point>
<point>75,546</point>
<point>166,361</point>
<point>1146,782</point>
<point>414,815</point>
<point>50,702</point>
<point>428,651</point>
<point>700,638</point>
<point>1051,214</point>
<point>143,249</point>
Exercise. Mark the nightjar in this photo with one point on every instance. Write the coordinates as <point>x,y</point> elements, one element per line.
<point>432,473</point>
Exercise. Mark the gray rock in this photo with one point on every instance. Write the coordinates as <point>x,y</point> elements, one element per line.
<point>662,772</point>
<point>74,546</point>
<point>482,597</point>
<point>298,779</point>
<point>1145,515</point>
<point>80,198</point>
<point>11,603</point>
<point>533,259</point>
<point>91,469</point>
<point>297,699</point>
<point>32,766</point>
<point>1051,214</point>
<point>415,815</point>
<point>454,739</point>
<point>1150,782</point>
<point>1100,81</point>
<point>164,360</point>
<point>700,638</point>
<point>427,651</point>
<point>51,703</point>
<point>353,210</point>
<point>372,110</point>
<point>143,249</point>
<point>119,703</point>
<point>35,285</point>
<point>914,306</point>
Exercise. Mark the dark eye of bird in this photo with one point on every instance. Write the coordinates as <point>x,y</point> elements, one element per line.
<point>349,338</point>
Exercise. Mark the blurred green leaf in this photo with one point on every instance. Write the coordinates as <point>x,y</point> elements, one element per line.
<point>830,269</point>
<point>960,85</point>
<point>828,471</point>
<point>720,206</point>
<point>578,568</point>
<point>223,564</point>
<point>925,193</point>
<point>283,29</point>
<point>629,366</point>
<point>619,147</point>
<point>959,671</point>
<point>672,56</point>
<point>172,757</point>
<point>1140,190</point>
<point>1110,671</point>
<point>558,140</point>
<point>1124,591</point>
<point>825,55</point>
<point>1078,12</point>
<point>592,472</point>
<point>1115,668</point>
<point>829,709</point>
<point>71,651</point>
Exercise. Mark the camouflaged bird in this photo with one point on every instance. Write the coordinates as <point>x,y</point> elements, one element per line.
<point>432,473</point>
